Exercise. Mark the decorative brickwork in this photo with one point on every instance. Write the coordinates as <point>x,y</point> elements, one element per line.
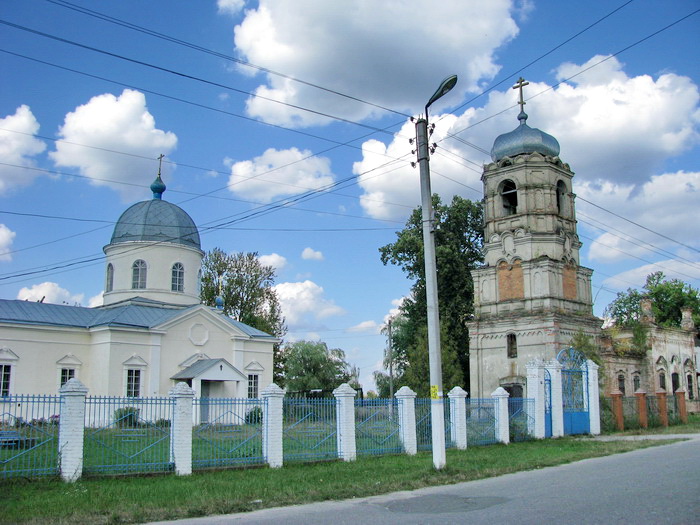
<point>510,281</point>
<point>569,279</point>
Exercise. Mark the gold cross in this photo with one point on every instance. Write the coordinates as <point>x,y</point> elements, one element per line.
<point>519,85</point>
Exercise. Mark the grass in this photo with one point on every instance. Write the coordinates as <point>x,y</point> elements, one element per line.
<point>150,498</point>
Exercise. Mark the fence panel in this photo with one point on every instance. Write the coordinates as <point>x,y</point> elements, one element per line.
<point>125,435</point>
<point>309,429</point>
<point>424,426</point>
<point>520,418</point>
<point>229,432</point>
<point>653,414</point>
<point>29,435</point>
<point>482,421</point>
<point>630,413</point>
<point>377,429</point>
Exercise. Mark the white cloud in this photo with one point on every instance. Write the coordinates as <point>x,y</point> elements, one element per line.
<point>7,237</point>
<point>122,124</point>
<point>51,293</point>
<point>230,7</point>
<point>310,254</point>
<point>366,327</point>
<point>279,173</point>
<point>360,48</point>
<point>17,147</point>
<point>302,301</point>
<point>636,277</point>
<point>275,260</point>
<point>97,300</point>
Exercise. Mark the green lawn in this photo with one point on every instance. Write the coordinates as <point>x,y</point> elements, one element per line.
<point>146,498</point>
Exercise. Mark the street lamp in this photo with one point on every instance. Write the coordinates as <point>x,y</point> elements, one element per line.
<point>437,414</point>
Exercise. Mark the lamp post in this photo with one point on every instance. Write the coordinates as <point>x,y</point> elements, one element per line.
<point>437,414</point>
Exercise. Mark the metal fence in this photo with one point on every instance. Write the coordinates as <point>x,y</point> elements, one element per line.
<point>424,427</point>
<point>229,432</point>
<point>29,435</point>
<point>377,429</point>
<point>521,420</point>
<point>309,429</point>
<point>482,421</point>
<point>126,435</point>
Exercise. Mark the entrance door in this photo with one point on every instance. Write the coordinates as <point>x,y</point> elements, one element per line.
<point>574,379</point>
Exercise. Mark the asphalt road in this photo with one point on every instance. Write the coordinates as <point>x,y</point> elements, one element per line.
<point>654,485</point>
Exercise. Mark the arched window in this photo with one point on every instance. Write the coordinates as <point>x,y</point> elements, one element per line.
<point>512,343</point>
<point>637,382</point>
<point>109,281</point>
<point>621,383</point>
<point>561,198</point>
<point>662,380</point>
<point>509,197</point>
<point>138,275</point>
<point>178,278</point>
<point>691,393</point>
<point>675,381</point>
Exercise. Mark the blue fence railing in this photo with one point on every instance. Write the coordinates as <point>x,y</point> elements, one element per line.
<point>424,428</point>
<point>482,421</point>
<point>127,434</point>
<point>29,436</point>
<point>228,432</point>
<point>309,429</point>
<point>377,429</point>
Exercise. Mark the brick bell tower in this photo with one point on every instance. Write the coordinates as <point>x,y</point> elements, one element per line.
<point>531,295</point>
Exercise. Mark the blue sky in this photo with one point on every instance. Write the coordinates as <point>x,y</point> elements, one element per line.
<point>89,100</point>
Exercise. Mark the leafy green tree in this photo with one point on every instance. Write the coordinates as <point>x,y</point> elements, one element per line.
<point>246,287</point>
<point>311,365</point>
<point>458,242</point>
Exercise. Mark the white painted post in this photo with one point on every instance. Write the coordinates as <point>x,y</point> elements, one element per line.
<point>71,429</point>
<point>593,398</point>
<point>458,417</point>
<point>345,420</point>
<point>554,367</point>
<point>535,391</point>
<point>500,397</point>
<point>407,419</point>
<point>273,396</point>
<point>181,429</point>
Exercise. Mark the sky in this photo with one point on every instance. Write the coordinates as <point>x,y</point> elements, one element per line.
<point>285,129</point>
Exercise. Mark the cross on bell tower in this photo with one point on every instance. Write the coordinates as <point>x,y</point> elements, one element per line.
<point>519,85</point>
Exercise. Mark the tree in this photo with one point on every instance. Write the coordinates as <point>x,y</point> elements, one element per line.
<point>246,287</point>
<point>311,365</point>
<point>458,242</point>
<point>668,298</point>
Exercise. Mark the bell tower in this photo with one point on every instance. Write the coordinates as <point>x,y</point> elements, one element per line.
<point>531,296</point>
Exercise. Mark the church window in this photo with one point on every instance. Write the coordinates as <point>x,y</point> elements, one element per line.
<point>662,380</point>
<point>138,275</point>
<point>253,386</point>
<point>509,196</point>
<point>178,278</point>
<point>133,382</point>
<point>5,371</point>
<point>512,344</point>
<point>637,381</point>
<point>621,383</point>
<point>66,375</point>
<point>561,198</point>
<point>691,394</point>
<point>675,381</point>
<point>109,284</point>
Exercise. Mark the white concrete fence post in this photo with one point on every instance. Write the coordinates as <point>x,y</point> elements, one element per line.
<point>536,392</point>
<point>500,397</point>
<point>554,368</point>
<point>458,417</point>
<point>71,430</point>
<point>181,428</point>
<point>407,419</point>
<point>345,420</point>
<point>593,398</point>
<point>273,451</point>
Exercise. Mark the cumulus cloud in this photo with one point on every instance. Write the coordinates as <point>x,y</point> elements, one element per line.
<point>51,293</point>
<point>230,7</point>
<point>17,147</point>
<point>279,173</point>
<point>636,277</point>
<point>119,123</point>
<point>7,237</point>
<point>304,302</point>
<point>341,46</point>
<point>275,260</point>
<point>96,300</point>
<point>310,254</point>
<point>365,327</point>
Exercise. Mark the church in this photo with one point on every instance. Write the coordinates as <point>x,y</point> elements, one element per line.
<point>151,332</point>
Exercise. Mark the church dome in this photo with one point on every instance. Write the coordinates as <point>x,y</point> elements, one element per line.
<point>156,220</point>
<point>524,139</point>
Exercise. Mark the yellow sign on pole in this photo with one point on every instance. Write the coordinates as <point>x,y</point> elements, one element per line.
<point>433,392</point>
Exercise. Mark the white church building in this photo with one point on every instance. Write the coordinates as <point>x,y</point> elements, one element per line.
<point>151,332</point>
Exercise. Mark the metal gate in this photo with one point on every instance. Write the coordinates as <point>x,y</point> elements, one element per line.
<point>547,404</point>
<point>574,379</point>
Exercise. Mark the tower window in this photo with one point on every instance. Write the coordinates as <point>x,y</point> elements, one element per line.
<point>512,344</point>
<point>509,196</point>
<point>561,198</point>
<point>109,282</point>
<point>178,278</point>
<point>138,275</point>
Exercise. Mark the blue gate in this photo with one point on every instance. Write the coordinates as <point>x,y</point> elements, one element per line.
<point>547,404</point>
<point>574,379</point>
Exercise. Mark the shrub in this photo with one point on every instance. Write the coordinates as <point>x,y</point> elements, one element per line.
<point>126,417</point>
<point>162,423</point>
<point>254,416</point>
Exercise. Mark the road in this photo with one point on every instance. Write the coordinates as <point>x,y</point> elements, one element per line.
<point>654,485</point>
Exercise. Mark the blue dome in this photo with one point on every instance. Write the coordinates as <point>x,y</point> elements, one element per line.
<point>156,220</point>
<point>524,139</point>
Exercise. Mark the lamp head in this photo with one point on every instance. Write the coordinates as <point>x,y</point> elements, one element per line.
<point>445,87</point>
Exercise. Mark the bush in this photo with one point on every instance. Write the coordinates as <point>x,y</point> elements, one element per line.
<point>127,417</point>
<point>163,423</point>
<point>254,416</point>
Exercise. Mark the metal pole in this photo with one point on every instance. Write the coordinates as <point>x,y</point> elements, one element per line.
<point>437,414</point>
<point>391,366</point>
